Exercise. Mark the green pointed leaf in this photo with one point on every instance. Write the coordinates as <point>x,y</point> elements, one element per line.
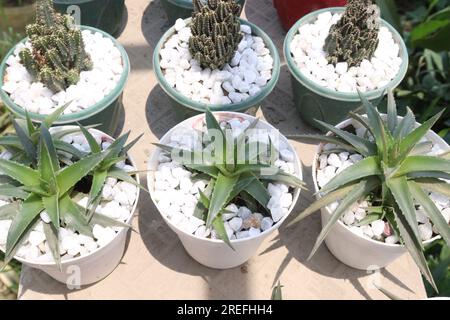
<point>429,174</point>
<point>286,178</point>
<point>19,172</point>
<point>214,126</point>
<point>117,145</point>
<point>10,141</point>
<point>369,219</point>
<point>97,185</point>
<point>51,205</point>
<point>204,200</point>
<point>364,146</point>
<point>95,147</point>
<point>325,139</point>
<point>244,181</point>
<point>434,185</point>
<point>48,160</point>
<point>359,191</point>
<point>392,117</point>
<point>124,176</point>
<point>69,176</point>
<point>52,237</point>
<point>9,190</point>
<point>53,117</point>
<point>403,198</point>
<point>110,162</point>
<point>405,126</point>
<point>129,146</point>
<point>67,147</point>
<point>105,221</point>
<point>362,169</point>
<point>431,210</point>
<point>9,211</point>
<point>257,190</point>
<point>27,144</point>
<point>375,121</point>
<point>73,216</point>
<point>413,245</point>
<point>200,209</point>
<point>30,126</point>
<point>422,163</point>
<point>209,170</point>
<point>276,292</point>
<point>22,223</point>
<point>222,190</point>
<point>323,202</point>
<point>219,227</point>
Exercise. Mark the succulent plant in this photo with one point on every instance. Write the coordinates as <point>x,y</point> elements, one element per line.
<point>394,176</point>
<point>215,31</point>
<point>46,174</point>
<point>58,55</point>
<point>355,36</point>
<point>232,176</point>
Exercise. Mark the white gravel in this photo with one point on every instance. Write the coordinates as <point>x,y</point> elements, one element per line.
<point>330,164</point>
<point>118,200</point>
<point>244,77</point>
<point>307,51</point>
<point>176,198</point>
<point>93,86</point>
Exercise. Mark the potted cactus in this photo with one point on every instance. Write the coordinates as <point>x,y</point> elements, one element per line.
<point>16,14</point>
<point>333,52</point>
<point>224,182</point>
<point>232,65</point>
<point>60,63</point>
<point>106,15</point>
<point>382,185</point>
<point>182,9</point>
<point>68,195</point>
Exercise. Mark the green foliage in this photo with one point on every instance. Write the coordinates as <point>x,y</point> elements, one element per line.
<point>438,257</point>
<point>277,293</point>
<point>58,55</point>
<point>215,31</point>
<point>391,175</point>
<point>355,36</point>
<point>48,174</point>
<point>232,178</point>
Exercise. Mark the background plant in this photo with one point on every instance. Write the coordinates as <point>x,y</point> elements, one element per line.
<point>216,32</point>
<point>230,180</point>
<point>394,175</point>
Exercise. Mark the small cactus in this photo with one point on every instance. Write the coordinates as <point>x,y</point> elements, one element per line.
<point>58,55</point>
<point>355,36</point>
<point>216,32</point>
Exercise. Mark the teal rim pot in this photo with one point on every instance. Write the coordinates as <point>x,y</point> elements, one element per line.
<point>316,102</point>
<point>106,15</point>
<point>182,9</point>
<point>105,113</point>
<point>185,107</point>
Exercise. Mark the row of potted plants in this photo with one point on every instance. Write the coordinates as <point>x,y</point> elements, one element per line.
<point>223,181</point>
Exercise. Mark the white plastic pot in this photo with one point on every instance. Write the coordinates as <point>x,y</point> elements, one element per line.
<point>352,249</point>
<point>98,264</point>
<point>209,252</point>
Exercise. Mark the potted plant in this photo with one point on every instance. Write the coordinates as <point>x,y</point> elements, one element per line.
<point>16,14</point>
<point>230,66</point>
<point>332,53</point>
<point>224,182</point>
<point>59,63</point>
<point>68,195</point>
<point>182,9</point>
<point>106,15</point>
<point>289,11</point>
<point>382,184</point>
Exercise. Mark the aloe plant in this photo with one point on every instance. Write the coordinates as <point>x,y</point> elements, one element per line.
<point>231,178</point>
<point>45,173</point>
<point>394,175</point>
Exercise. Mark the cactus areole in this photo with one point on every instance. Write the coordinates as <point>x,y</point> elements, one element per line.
<point>215,32</point>
<point>355,36</point>
<point>57,54</point>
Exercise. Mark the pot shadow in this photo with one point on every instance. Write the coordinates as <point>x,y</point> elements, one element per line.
<point>159,112</point>
<point>300,239</point>
<point>154,24</point>
<point>164,245</point>
<point>120,123</point>
<point>124,22</point>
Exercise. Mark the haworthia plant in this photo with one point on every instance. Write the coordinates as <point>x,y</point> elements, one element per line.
<point>43,175</point>
<point>232,178</point>
<point>57,55</point>
<point>215,31</point>
<point>391,172</point>
<point>355,36</point>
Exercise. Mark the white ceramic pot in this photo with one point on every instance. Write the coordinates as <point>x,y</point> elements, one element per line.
<point>209,252</point>
<point>352,249</point>
<point>96,265</point>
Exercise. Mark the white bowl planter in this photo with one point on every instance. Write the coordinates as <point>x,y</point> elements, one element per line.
<point>212,252</point>
<point>355,246</point>
<point>84,260</point>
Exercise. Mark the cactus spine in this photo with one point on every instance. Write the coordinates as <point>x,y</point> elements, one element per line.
<point>57,56</point>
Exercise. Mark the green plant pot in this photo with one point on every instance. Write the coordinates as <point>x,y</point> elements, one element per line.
<point>105,15</point>
<point>105,113</point>
<point>17,17</point>
<point>316,102</point>
<point>182,9</point>
<point>185,108</point>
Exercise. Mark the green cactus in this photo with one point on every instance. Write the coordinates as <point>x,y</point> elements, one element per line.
<point>216,32</point>
<point>58,55</point>
<point>355,36</point>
